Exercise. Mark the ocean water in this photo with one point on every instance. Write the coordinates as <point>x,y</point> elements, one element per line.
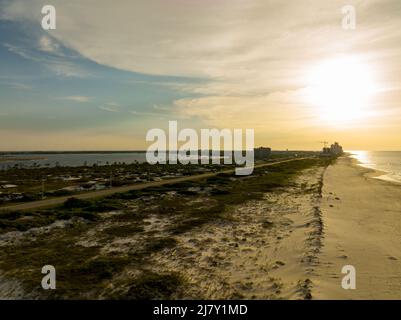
<point>387,161</point>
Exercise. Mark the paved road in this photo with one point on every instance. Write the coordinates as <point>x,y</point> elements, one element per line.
<point>102,193</point>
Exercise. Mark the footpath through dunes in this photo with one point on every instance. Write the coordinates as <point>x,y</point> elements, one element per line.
<point>362,223</point>
<point>224,236</point>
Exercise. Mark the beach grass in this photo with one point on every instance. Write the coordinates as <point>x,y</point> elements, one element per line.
<point>83,272</point>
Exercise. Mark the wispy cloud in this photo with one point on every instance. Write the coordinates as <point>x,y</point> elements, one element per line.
<point>22,52</point>
<point>77,98</point>
<point>20,86</point>
<point>110,107</point>
<point>67,69</point>
<point>46,44</point>
<point>57,62</point>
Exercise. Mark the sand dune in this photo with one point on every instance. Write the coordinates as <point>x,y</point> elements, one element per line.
<point>267,251</point>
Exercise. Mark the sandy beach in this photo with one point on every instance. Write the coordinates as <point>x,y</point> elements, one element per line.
<point>362,227</point>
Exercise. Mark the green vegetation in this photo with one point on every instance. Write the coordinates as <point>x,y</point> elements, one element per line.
<point>83,272</point>
<point>35,182</point>
<point>73,207</point>
<point>124,230</point>
<point>153,286</point>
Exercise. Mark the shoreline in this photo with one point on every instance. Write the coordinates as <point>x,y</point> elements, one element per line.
<point>11,159</point>
<point>375,173</point>
<point>362,227</point>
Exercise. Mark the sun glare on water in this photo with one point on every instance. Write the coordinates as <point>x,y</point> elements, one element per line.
<point>340,89</point>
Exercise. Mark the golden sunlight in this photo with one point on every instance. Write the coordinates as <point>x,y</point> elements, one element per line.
<point>341,89</point>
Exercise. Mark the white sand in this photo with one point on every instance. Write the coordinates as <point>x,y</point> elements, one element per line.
<point>242,258</point>
<point>363,229</point>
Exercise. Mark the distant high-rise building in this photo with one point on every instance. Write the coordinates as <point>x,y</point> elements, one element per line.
<point>335,149</point>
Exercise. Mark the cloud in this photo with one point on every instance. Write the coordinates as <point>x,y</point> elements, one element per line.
<point>238,45</point>
<point>110,107</point>
<point>77,98</point>
<point>67,69</point>
<point>20,86</point>
<point>46,44</point>
<point>59,65</point>
<point>258,111</point>
<point>22,52</point>
<point>250,55</point>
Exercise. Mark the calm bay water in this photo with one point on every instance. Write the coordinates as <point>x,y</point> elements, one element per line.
<point>31,160</point>
<point>70,159</point>
<point>387,161</point>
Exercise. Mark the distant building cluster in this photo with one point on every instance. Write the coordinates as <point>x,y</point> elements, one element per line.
<point>262,153</point>
<point>334,150</point>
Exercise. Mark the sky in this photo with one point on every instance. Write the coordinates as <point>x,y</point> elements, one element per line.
<point>112,70</point>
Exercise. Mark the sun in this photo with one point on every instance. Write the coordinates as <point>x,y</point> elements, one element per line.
<point>340,89</point>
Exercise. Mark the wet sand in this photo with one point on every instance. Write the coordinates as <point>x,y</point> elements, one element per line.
<point>362,227</point>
